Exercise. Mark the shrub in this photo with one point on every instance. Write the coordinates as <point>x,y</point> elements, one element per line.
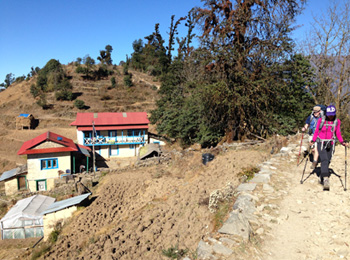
<point>64,95</point>
<point>113,82</point>
<point>80,104</point>
<point>174,252</point>
<point>80,69</point>
<point>34,90</point>
<point>127,80</point>
<point>248,173</point>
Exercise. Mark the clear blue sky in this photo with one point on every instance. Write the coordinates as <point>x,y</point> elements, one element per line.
<point>33,32</point>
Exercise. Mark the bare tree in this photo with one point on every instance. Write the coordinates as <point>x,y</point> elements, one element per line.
<point>328,49</point>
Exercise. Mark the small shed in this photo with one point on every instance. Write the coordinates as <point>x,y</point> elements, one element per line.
<point>60,211</point>
<point>149,150</point>
<point>15,179</point>
<point>24,219</point>
<point>25,121</point>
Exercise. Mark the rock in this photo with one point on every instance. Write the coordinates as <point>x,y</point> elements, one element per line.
<point>222,250</point>
<point>260,231</point>
<point>238,225</point>
<point>286,150</point>
<point>228,242</point>
<point>260,178</point>
<point>246,187</point>
<point>267,187</point>
<point>245,205</point>
<point>204,251</point>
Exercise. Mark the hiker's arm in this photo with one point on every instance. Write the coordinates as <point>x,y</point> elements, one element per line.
<point>338,133</point>
<point>307,123</point>
<point>306,126</point>
<point>317,129</point>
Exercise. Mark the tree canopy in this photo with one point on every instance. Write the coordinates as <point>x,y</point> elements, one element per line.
<point>243,80</point>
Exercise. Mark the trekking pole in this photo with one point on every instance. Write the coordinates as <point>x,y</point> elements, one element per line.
<point>301,143</point>
<point>346,166</point>
<point>307,159</point>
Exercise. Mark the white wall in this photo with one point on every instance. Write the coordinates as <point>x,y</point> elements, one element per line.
<point>35,172</point>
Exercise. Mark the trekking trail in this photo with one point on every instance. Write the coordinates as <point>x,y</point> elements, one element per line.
<point>302,220</point>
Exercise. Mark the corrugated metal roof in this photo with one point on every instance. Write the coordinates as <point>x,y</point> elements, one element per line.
<point>11,173</point>
<point>100,119</point>
<point>59,205</point>
<point>123,127</point>
<point>84,150</point>
<point>69,145</point>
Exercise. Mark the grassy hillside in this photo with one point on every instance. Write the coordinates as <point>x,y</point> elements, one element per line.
<point>97,95</point>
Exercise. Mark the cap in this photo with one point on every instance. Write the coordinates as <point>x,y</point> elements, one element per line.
<point>316,109</point>
<point>331,111</point>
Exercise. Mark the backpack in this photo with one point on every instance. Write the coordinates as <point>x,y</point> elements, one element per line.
<point>313,120</point>
<point>334,128</point>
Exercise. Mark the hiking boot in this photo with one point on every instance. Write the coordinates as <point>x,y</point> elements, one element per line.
<point>321,180</point>
<point>313,165</point>
<point>326,183</point>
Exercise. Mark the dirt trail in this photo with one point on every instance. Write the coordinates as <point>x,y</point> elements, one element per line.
<point>311,223</point>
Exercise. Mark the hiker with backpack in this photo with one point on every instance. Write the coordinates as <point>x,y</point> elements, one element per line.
<point>310,123</point>
<point>327,129</point>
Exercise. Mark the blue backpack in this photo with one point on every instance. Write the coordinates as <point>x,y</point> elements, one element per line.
<point>313,120</point>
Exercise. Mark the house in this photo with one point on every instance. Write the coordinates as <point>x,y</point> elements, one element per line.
<point>59,211</point>
<point>48,156</point>
<point>112,134</point>
<point>25,121</point>
<point>15,179</point>
<point>24,219</point>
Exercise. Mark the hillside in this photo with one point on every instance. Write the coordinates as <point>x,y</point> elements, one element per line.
<point>97,95</point>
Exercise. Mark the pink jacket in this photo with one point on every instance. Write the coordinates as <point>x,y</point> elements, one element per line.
<point>326,132</point>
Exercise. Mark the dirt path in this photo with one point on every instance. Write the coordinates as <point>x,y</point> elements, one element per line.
<point>310,223</point>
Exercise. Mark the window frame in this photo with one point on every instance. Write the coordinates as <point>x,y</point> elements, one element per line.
<point>47,161</point>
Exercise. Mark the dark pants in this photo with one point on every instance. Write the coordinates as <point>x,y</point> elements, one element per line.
<point>325,156</point>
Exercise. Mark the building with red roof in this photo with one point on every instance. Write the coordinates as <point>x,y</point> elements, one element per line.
<point>112,134</point>
<point>48,156</point>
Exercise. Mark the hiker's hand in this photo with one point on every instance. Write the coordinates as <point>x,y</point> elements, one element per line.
<point>311,143</point>
<point>345,144</point>
<point>303,129</point>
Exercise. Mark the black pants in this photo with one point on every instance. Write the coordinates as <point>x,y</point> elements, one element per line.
<point>325,156</point>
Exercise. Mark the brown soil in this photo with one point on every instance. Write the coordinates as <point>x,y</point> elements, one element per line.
<point>139,212</point>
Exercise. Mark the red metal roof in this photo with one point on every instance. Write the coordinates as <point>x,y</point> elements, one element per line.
<point>101,128</point>
<point>108,119</point>
<point>28,146</point>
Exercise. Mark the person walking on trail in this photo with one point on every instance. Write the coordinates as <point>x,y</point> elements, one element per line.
<point>310,123</point>
<point>326,131</point>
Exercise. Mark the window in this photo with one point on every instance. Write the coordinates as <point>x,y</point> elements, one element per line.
<point>87,134</point>
<point>47,164</point>
<point>113,133</point>
<point>134,132</point>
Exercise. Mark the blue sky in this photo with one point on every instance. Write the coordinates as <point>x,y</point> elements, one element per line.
<point>33,32</point>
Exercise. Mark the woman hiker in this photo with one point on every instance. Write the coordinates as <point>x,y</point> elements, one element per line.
<point>324,136</point>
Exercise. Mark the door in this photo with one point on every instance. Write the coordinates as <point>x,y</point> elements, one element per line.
<point>41,185</point>
<point>22,183</point>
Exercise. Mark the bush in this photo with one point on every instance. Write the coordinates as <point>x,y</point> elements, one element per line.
<point>113,82</point>
<point>64,95</point>
<point>174,252</point>
<point>80,70</point>
<point>80,104</point>
<point>34,90</point>
<point>127,80</point>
